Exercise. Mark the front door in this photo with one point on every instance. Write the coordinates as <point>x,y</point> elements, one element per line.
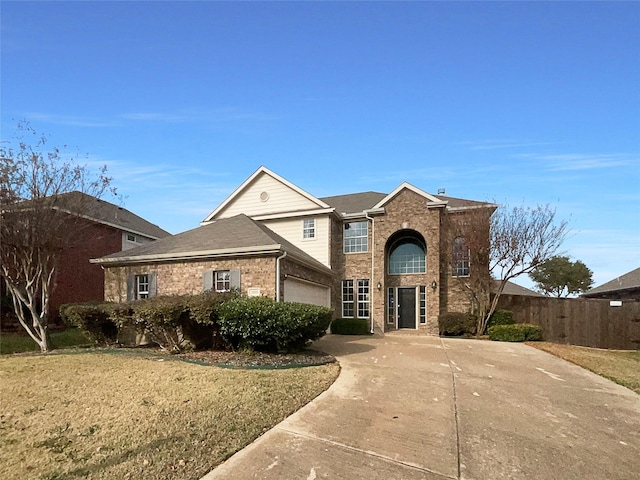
<point>406,308</point>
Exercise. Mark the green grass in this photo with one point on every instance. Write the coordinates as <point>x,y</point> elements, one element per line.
<point>619,366</point>
<point>19,343</point>
<point>95,415</point>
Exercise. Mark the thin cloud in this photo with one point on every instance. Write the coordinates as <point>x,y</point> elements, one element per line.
<point>500,144</point>
<point>70,120</point>
<point>578,161</point>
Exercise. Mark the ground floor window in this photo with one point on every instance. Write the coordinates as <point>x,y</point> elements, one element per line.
<point>363,298</point>
<point>142,287</point>
<point>347,298</point>
<point>223,280</point>
<point>423,304</point>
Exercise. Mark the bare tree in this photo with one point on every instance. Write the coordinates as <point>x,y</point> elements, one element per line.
<point>44,197</point>
<point>519,239</point>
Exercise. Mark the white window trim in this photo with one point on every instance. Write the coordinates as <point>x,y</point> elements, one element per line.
<point>365,236</point>
<point>309,228</point>
<point>350,302</point>
<point>224,281</point>
<point>367,302</point>
<point>141,293</point>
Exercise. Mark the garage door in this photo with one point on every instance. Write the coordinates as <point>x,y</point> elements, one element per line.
<point>306,292</point>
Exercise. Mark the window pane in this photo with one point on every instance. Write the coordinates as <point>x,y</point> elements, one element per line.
<point>347,298</point>
<point>407,257</point>
<point>423,304</point>
<point>356,236</point>
<point>391,306</point>
<point>223,281</point>
<point>460,258</point>
<point>142,286</point>
<point>309,228</point>
<point>363,298</point>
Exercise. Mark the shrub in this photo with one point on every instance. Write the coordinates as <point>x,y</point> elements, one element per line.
<point>92,318</point>
<point>259,323</point>
<point>202,328</point>
<point>350,326</point>
<point>518,332</point>
<point>501,317</point>
<point>161,318</point>
<point>453,324</point>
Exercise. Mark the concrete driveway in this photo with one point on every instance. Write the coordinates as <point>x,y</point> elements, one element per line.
<point>414,407</point>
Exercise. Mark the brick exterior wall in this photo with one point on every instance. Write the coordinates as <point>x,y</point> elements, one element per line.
<point>180,278</point>
<point>407,212</point>
<point>77,280</point>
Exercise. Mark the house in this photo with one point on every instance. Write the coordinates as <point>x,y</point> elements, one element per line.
<point>385,257</point>
<point>625,287</point>
<point>511,288</point>
<point>106,228</point>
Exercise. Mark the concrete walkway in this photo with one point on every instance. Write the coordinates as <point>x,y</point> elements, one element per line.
<point>415,407</point>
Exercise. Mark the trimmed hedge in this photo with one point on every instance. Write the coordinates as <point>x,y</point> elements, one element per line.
<point>455,324</point>
<point>350,326</point>
<point>260,323</point>
<point>501,317</point>
<point>518,332</point>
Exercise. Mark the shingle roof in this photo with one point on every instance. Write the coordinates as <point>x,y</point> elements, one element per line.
<point>624,282</point>
<point>239,235</point>
<point>511,288</point>
<point>358,202</point>
<point>110,214</point>
<point>354,202</point>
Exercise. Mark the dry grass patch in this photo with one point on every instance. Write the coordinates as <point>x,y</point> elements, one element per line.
<point>620,366</point>
<point>96,415</point>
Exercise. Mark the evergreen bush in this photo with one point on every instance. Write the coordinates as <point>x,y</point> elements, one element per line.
<point>518,332</point>
<point>350,326</point>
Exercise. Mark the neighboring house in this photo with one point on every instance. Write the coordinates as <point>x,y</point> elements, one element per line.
<point>511,288</point>
<point>382,257</point>
<point>108,228</point>
<point>625,287</point>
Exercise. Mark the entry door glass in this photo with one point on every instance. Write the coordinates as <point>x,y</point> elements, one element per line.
<point>406,308</point>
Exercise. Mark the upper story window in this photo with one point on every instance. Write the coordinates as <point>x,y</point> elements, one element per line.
<point>309,228</point>
<point>407,257</point>
<point>460,258</point>
<point>132,238</point>
<point>356,237</point>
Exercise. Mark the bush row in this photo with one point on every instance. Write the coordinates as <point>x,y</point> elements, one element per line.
<point>204,321</point>
<point>454,324</point>
<point>518,332</point>
<point>350,326</point>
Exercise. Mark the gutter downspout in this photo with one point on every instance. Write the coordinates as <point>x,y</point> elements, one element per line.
<point>284,254</point>
<point>373,283</point>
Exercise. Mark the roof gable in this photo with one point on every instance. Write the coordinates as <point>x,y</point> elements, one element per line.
<point>431,199</point>
<point>265,192</point>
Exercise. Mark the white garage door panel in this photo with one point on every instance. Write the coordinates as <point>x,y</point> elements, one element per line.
<point>303,292</point>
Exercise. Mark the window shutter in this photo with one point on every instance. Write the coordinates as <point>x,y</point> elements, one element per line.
<point>207,280</point>
<point>153,284</point>
<point>131,287</point>
<point>234,279</point>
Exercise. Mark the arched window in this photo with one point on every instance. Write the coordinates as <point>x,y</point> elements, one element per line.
<point>460,258</point>
<point>407,256</point>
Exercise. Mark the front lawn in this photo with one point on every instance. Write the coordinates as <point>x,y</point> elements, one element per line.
<point>107,416</point>
<point>17,343</point>
<point>620,366</point>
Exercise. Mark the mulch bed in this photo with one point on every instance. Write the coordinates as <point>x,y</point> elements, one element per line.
<point>258,359</point>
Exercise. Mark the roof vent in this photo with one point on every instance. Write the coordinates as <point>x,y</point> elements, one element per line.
<point>441,191</point>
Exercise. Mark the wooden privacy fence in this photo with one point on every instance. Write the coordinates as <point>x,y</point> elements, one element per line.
<point>578,321</point>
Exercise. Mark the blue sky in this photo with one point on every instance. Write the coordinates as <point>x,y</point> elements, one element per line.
<point>515,102</point>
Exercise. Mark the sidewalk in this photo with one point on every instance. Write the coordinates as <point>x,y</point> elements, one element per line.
<point>417,407</point>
